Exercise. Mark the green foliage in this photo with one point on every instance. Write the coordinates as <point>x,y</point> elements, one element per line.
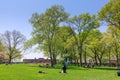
<point>79,39</point>
<point>82,25</point>
<point>1,46</point>
<point>45,28</point>
<point>46,25</point>
<point>94,38</point>
<point>29,44</point>
<point>84,22</point>
<point>110,13</point>
<point>97,47</point>
<point>112,39</point>
<point>60,39</point>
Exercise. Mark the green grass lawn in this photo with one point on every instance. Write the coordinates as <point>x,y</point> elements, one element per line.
<point>30,72</point>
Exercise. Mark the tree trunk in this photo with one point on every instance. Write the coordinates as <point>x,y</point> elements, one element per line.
<point>10,59</point>
<point>51,58</point>
<point>109,59</point>
<point>117,57</point>
<point>100,62</point>
<point>96,62</point>
<point>85,59</point>
<point>54,59</point>
<point>75,61</point>
<point>80,54</point>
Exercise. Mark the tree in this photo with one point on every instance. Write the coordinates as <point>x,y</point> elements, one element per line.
<point>94,45</point>
<point>110,13</point>
<point>81,26</point>
<point>60,39</point>
<point>45,27</point>
<point>112,38</point>
<point>71,48</point>
<point>13,42</point>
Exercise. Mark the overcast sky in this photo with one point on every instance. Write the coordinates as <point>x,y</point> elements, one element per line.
<point>15,14</point>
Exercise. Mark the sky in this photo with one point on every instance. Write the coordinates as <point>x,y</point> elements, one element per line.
<point>15,14</point>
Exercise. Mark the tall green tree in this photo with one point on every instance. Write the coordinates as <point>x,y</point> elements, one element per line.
<point>110,13</point>
<point>45,27</point>
<point>82,25</point>
<point>63,34</point>
<point>71,46</point>
<point>112,38</point>
<point>94,45</point>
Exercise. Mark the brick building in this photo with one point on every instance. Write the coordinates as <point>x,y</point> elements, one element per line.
<point>39,60</point>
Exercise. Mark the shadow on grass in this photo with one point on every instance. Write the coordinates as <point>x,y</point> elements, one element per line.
<point>71,67</point>
<point>106,68</point>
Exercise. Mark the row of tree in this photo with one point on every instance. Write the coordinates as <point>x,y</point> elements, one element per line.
<point>75,38</point>
<point>79,38</point>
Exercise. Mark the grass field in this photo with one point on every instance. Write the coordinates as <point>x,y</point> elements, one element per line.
<point>30,72</point>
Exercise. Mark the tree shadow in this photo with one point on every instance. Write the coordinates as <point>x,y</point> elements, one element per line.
<point>106,68</point>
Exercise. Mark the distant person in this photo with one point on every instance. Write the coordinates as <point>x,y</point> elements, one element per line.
<point>47,65</point>
<point>54,66</point>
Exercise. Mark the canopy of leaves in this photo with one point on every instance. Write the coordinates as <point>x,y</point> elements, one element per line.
<point>84,22</point>
<point>110,13</point>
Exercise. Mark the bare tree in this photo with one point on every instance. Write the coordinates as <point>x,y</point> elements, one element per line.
<point>13,42</point>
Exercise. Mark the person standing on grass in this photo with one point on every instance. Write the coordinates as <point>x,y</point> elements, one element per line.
<point>64,69</point>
